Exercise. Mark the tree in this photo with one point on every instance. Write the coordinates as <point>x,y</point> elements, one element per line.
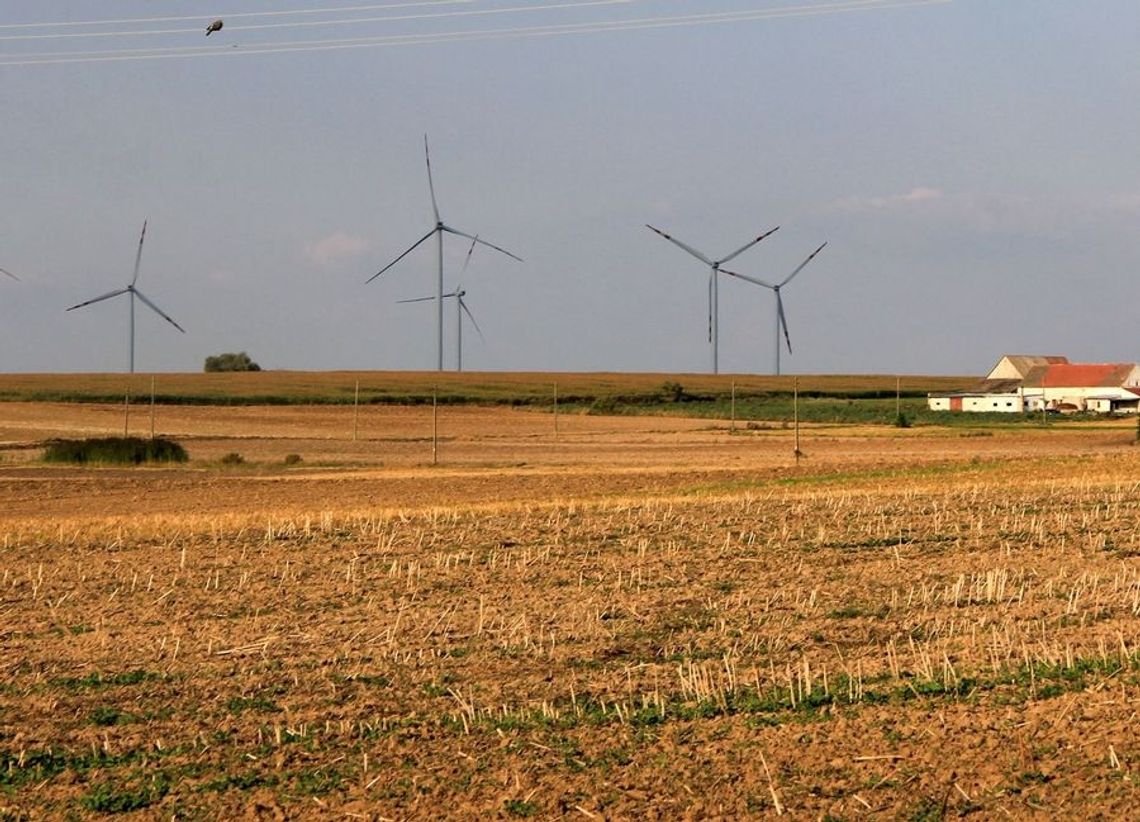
<point>231,362</point>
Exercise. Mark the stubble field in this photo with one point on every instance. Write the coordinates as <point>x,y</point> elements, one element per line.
<point>627,618</point>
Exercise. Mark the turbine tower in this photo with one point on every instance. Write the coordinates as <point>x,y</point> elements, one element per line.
<point>714,299</point>
<point>460,309</point>
<point>134,292</point>
<point>781,319</point>
<point>439,230</point>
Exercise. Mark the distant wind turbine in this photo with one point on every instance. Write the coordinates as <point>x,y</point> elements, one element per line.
<point>438,230</point>
<point>134,292</point>
<point>9,273</point>
<point>714,299</point>
<point>460,309</point>
<point>781,320</point>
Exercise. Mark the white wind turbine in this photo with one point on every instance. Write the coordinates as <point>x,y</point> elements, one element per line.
<point>439,229</point>
<point>460,309</point>
<point>781,320</point>
<point>134,292</point>
<point>714,299</point>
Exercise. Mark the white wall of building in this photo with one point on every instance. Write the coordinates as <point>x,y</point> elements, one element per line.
<point>993,403</point>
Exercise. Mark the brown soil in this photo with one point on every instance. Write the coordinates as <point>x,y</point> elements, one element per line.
<point>640,618</point>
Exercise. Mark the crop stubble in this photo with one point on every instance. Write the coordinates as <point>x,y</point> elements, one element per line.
<point>651,621</point>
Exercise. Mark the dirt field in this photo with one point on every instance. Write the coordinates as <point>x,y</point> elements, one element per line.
<point>632,618</point>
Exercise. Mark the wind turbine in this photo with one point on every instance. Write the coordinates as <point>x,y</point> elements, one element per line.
<point>439,230</point>
<point>460,309</point>
<point>781,320</point>
<point>134,292</point>
<point>10,274</point>
<point>714,300</point>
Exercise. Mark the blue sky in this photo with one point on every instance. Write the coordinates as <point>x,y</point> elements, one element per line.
<point>971,164</point>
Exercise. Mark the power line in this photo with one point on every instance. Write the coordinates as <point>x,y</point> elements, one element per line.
<point>401,18</point>
<point>519,32</point>
<point>233,15</point>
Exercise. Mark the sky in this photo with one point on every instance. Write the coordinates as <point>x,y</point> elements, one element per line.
<point>971,164</point>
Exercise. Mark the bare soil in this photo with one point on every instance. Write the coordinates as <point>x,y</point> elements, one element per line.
<point>632,618</point>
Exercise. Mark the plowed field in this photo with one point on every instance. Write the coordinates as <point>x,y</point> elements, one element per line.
<point>629,618</point>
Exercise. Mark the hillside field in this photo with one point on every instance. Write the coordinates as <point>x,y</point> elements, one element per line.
<point>577,616</point>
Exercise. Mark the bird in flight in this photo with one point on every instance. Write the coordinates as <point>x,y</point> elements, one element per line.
<point>215,26</point>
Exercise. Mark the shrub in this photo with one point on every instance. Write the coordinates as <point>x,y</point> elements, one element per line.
<point>673,391</point>
<point>231,362</point>
<point>233,458</point>
<point>902,421</point>
<point>115,450</point>
<point>292,459</point>
<point>603,405</point>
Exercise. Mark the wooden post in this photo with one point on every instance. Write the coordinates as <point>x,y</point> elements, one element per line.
<point>152,406</point>
<point>796,415</point>
<point>356,412</point>
<point>127,412</point>
<point>556,412</point>
<point>898,398</point>
<point>434,426</point>
<point>732,413</point>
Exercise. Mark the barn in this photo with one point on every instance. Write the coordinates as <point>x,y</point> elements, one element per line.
<point>1021,383</point>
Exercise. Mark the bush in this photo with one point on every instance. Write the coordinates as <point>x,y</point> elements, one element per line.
<point>673,391</point>
<point>233,458</point>
<point>231,362</point>
<point>115,450</point>
<point>292,459</point>
<point>902,421</point>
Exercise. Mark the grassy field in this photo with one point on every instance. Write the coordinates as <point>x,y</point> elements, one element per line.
<point>823,399</point>
<point>402,387</point>
<point>829,399</point>
<point>642,618</point>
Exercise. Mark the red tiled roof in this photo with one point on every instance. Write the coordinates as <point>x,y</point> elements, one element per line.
<point>1077,375</point>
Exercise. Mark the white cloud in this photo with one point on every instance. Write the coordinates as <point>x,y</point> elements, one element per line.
<point>337,246</point>
<point>919,194</point>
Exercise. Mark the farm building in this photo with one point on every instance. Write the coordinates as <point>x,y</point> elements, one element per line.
<point>1025,383</point>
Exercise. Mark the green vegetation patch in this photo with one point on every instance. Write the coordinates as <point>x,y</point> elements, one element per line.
<point>98,680</point>
<point>138,792</point>
<point>115,451</point>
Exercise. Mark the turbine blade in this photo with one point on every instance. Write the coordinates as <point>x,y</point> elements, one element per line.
<point>749,245</point>
<point>431,185</point>
<point>10,274</point>
<point>801,265</point>
<point>100,298</point>
<point>471,317</point>
<point>423,299</point>
<point>681,245</point>
<point>158,310</point>
<point>138,255</point>
<point>783,320</point>
<point>467,260</point>
<point>402,256</point>
<point>475,239</point>
<point>746,277</point>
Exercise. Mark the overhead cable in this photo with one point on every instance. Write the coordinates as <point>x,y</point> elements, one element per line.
<point>520,32</point>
